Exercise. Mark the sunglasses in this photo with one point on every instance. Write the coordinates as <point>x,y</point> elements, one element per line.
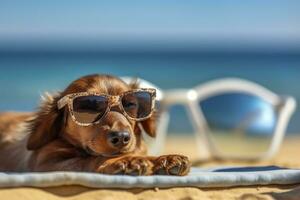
<point>87,108</point>
<point>232,118</point>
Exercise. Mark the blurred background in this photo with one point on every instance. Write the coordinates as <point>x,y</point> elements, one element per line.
<point>174,44</point>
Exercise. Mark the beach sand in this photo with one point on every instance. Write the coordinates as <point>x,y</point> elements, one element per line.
<point>288,156</point>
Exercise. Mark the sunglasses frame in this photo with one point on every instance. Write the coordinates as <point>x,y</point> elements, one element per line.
<point>189,98</point>
<point>113,100</point>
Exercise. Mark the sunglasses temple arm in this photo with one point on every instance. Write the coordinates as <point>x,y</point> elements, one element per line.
<point>62,102</point>
<point>285,113</point>
<point>204,144</point>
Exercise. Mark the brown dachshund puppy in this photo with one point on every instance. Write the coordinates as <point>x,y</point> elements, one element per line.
<point>55,141</point>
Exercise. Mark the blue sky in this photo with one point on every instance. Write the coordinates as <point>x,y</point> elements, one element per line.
<point>178,21</point>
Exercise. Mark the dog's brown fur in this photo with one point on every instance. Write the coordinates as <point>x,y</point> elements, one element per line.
<point>55,142</point>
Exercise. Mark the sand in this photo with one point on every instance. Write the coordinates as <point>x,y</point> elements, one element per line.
<point>287,157</point>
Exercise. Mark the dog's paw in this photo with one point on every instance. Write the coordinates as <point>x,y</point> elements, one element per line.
<point>172,165</point>
<point>135,166</point>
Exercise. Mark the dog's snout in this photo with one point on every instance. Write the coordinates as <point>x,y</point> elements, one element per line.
<point>118,138</point>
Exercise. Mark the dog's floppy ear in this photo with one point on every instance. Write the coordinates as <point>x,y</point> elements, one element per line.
<point>46,124</point>
<point>149,125</point>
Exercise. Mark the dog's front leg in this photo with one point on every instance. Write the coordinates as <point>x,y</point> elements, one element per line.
<point>177,165</point>
<point>129,165</point>
<point>146,165</point>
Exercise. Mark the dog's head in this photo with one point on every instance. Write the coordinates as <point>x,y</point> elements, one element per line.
<point>114,134</point>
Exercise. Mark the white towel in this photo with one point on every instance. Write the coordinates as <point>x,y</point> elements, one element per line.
<point>203,178</point>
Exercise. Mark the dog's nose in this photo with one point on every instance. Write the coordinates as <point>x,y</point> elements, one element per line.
<point>118,138</point>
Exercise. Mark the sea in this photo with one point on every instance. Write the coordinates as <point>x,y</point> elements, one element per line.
<point>24,76</point>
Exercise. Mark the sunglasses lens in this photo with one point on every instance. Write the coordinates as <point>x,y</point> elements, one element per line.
<point>88,109</point>
<point>240,124</point>
<point>137,104</point>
